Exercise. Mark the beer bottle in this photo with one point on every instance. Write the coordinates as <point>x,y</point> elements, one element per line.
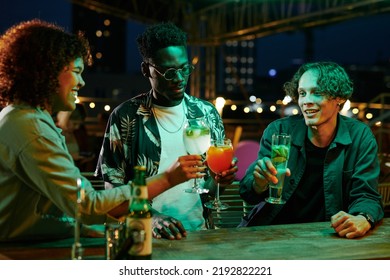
<point>139,219</point>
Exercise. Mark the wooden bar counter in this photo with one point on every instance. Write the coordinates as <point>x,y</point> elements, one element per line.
<point>311,241</point>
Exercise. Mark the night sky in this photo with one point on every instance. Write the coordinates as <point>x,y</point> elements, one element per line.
<point>363,41</point>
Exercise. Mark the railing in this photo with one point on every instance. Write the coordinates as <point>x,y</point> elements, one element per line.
<point>232,216</point>
<point>384,190</point>
<point>380,124</point>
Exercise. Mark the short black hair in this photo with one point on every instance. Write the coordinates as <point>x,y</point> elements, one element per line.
<point>160,36</point>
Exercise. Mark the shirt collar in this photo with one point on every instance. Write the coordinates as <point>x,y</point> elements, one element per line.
<point>342,137</point>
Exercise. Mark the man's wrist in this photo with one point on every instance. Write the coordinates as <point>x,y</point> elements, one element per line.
<point>369,219</point>
<point>259,189</point>
<point>159,182</point>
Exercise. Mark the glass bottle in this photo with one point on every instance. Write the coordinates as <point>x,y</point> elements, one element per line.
<point>139,218</point>
<point>77,248</point>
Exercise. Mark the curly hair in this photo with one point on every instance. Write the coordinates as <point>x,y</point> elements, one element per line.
<point>32,55</point>
<point>160,36</point>
<point>332,80</point>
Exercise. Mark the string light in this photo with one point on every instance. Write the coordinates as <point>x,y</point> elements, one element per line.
<point>219,104</point>
<point>287,99</point>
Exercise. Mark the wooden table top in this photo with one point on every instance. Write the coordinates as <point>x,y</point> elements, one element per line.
<point>279,242</point>
<point>311,241</point>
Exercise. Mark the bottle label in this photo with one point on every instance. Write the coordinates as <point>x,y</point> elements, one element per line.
<point>140,192</point>
<point>141,231</point>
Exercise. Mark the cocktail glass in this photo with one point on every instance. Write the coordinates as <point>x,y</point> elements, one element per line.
<point>279,157</point>
<point>219,158</point>
<point>196,136</point>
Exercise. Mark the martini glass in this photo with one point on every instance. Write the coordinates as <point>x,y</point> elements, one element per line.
<point>196,136</point>
<point>219,158</point>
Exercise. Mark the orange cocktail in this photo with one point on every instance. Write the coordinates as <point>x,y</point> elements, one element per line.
<point>219,158</point>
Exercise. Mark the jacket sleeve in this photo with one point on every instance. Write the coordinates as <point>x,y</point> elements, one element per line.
<point>53,174</point>
<point>363,189</point>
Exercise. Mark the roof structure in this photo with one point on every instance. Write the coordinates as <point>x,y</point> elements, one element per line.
<point>214,22</point>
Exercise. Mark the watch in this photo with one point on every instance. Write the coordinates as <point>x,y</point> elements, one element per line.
<point>369,219</point>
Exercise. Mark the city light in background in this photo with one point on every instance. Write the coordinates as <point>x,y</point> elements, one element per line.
<point>245,64</point>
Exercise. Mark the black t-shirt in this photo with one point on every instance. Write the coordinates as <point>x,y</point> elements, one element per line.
<point>307,204</point>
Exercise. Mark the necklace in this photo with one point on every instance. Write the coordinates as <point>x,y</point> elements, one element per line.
<point>167,130</point>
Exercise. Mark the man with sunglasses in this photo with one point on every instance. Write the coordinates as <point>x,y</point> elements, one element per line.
<point>148,130</point>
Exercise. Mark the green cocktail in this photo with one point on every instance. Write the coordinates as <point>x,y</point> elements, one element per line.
<point>279,157</point>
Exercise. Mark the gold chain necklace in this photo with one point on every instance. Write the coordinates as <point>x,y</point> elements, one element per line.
<point>175,131</point>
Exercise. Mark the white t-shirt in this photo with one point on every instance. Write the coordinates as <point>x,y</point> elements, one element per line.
<point>175,202</point>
